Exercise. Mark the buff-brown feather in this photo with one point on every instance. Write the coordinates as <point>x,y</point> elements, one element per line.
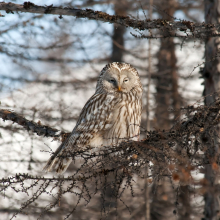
<point>111,115</point>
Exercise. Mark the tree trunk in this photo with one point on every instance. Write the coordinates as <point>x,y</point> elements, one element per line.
<point>167,83</point>
<point>211,75</point>
<point>167,96</point>
<point>118,35</point>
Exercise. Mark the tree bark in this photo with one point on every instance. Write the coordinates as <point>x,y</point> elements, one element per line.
<point>211,75</point>
<point>118,35</point>
<point>162,202</point>
<point>167,84</point>
<point>168,96</point>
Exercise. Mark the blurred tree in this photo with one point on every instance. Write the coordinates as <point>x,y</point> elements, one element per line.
<point>211,75</point>
<point>118,46</point>
<point>167,96</point>
<point>50,66</point>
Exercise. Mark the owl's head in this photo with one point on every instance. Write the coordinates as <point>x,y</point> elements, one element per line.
<point>118,77</point>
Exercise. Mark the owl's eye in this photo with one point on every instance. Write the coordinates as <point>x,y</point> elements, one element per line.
<point>112,80</point>
<point>126,80</point>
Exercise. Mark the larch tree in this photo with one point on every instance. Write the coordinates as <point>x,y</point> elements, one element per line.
<point>54,56</point>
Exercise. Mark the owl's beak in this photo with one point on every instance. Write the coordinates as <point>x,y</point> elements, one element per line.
<point>119,88</point>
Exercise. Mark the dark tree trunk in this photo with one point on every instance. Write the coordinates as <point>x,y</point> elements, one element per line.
<point>118,35</point>
<point>168,96</point>
<point>211,75</point>
<point>167,85</point>
<point>167,82</point>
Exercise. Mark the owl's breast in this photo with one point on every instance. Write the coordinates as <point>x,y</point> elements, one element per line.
<point>123,121</point>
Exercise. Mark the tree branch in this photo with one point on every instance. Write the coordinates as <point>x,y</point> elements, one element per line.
<point>201,29</point>
<point>41,130</point>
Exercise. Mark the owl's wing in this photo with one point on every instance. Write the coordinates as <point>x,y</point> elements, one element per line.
<point>94,117</point>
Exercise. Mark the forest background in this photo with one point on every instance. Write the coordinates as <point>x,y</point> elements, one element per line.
<point>50,58</point>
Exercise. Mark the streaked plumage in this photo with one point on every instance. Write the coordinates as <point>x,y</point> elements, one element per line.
<point>111,115</point>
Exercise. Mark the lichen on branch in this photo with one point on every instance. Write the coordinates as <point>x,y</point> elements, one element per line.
<point>176,27</point>
<point>41,130</point>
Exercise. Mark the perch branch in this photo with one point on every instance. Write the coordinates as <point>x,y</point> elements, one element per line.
<point>41,130</point>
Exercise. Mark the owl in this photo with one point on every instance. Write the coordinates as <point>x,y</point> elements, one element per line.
<point>110,116</point>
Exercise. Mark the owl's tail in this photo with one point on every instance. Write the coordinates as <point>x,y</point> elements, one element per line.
<point>58,161</point>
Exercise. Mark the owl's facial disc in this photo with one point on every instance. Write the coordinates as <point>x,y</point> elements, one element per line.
<point>116,80</point>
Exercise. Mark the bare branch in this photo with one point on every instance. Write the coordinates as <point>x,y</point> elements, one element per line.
<point>124,161</point>
<point>41,130</point>
<point>194,30</point>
